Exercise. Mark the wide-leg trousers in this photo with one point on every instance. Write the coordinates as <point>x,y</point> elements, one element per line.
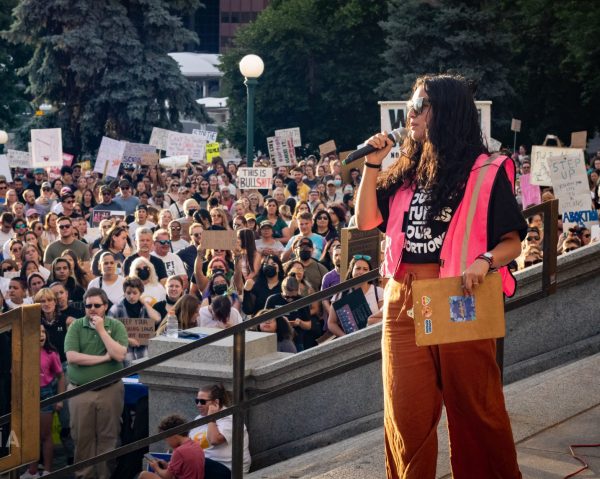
<point>418,380</point>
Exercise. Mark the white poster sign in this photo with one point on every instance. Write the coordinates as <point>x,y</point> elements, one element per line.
<point>46,148</point>
<point>293,133</point>
<point>539,161</point>
<point>5,169</point>
<point>158,138</point>
<point>110,156</point>
<point>139,153</point>
<point>178,162</point>
<point>208,136</point>
<point>19,159</point>
<point>494,145</point>
<point>255,178</point>
<point>281,151</point>
<point>186,144</point>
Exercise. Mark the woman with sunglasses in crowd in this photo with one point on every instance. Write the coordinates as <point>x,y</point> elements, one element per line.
<point>281,232</point>
<point>216,437</point>
<point>359,265</point>
<point>443,182</point>
<point>322,225</point>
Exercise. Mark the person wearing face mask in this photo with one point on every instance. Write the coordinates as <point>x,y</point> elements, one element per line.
<point>313,270</point>
<point>219,286</point>
<point>298,319</point>
<point>266,283</point>
<point>154,291</point>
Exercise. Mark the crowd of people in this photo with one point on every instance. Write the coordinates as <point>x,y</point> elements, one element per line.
<point>91,251</point>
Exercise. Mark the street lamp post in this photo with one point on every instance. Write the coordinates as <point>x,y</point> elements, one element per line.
<point>251,67</point>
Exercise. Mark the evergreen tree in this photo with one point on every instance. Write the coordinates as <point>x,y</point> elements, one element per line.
<point>322,64</point>
<point>447,37</point>
<point>104,66</point>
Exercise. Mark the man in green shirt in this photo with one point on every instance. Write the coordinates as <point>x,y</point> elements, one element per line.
<point>95,346</point>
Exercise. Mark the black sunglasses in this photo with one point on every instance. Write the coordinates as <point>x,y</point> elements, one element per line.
<point>202,401</point>
<point>164,242</point>
<point>418,105</point>
<point>93,305</point>
<point>64,227</point>
<point>533,238</point>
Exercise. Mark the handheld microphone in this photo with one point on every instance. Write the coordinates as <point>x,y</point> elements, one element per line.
<point>396,136</point>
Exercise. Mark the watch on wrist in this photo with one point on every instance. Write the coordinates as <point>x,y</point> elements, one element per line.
<point>489,257</point>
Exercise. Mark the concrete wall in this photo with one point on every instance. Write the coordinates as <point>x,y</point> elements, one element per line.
<point>539,336</point>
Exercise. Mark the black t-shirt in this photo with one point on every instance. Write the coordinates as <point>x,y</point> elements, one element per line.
<point>57,331</point>
<point>424,241</point>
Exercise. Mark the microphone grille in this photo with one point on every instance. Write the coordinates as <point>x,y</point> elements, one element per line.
<point>399,134</point>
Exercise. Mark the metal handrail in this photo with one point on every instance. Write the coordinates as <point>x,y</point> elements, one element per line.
<point>550,211</point>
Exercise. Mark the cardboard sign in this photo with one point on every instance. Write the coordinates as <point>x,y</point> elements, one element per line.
<point>281,151</point>
<point>539,161</point>
<point>255,178</point>
<point>579,139</point>
<point>515,125</point>
<point>352,311</point>
<point>158,138</point>
<point>354,242</point>
<point>570,183</point>
<point>293,133</point>
<point>186,144</point>
<point>141,329</point>
<point>494,145</point>
<point>135,152</point>
<point>19,159</point>
<point>207,136</point>
<point>530,194</point>
<point>5,169</point>
<point>327,147</point>
<point>109,157</point>
<point>98,216</point>
<point>212,151</point>
<point>176,162</point>
<point>46,147</point>
<point>226,239</point>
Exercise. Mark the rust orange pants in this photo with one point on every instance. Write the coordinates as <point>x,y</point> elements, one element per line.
<point>417,380</point>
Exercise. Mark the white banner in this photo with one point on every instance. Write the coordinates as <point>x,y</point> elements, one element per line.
<point>539,161</point>
<point>293,133</point>
<point>46,148</point>
<point>158,138</point>
<point>5,169</point>
<point>19,159</point>
<point>208,136</point>
<point>186,144</point>
<point>255,178</point>
<point>110,156</point>
<point>178,162</point>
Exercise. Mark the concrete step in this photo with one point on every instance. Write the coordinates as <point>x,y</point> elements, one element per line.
<point>549,411</point>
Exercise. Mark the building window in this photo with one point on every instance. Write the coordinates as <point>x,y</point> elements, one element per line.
<point>225,18</point>
<point>235,17</point>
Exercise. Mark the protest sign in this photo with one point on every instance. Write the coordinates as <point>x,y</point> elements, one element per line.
<point>46,147</point>
<point>579,139</point>
<point>358,164</point>
<point>5,169</point>
<point>138,153</point>
<point>99,215</point>
<point>293,133</point>
<point>327,147</point>
<point>19,159</point>
<point>494,145</point>
<point>109,157</point>
<point>225,239</point>
<point>354,241</point>
<point>596,233</point>
<point>53,173</point>
<point>570,185</point>
<point>212,151</point>
<point>140,329</point>
<point>186,144</point>
<point>207,136</point>
<point>158,138</point>
<point>255,178</point>
<point>530,194</point>
<point>353,311</point>
<point>177,162</point>
<point>67,159</point>
<point>86,165</point>
<point>539,161</point>
<point>515,125</point>
<point>281,151</point>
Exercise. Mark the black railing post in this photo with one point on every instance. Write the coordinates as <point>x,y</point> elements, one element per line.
<point>550,244</point>
<point>239,371</point>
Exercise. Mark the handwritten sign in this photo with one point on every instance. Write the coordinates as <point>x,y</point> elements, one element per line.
<point>281,151</point>
<point>207,136</point>
<point>5,169</point>
<point>46,147</point>
<point>136,153</point>
<point>178,162</point>
<point>109,157</point>
<point>255,178</point>
<point>530,194</point>
<point>186,144</point>
<point>225,239</point>
<point>293,133</point>
<point>141,329</point>
<point>515,125</point>
<point>327,147</point>
<point>579,139</point>
<point>539,161</point>
<point>158,138</point>
<point>19,159</point>
<point>212,151</point>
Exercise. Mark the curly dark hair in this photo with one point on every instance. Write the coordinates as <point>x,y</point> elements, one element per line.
<point>442,163</point>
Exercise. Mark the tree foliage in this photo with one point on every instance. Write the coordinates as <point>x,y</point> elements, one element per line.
<point>104,66</point>
<point>322,64</point>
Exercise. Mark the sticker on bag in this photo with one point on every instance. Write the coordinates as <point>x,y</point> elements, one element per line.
<point>428,326</point>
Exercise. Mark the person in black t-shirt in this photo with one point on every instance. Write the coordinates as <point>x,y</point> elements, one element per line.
<point>436,163</point>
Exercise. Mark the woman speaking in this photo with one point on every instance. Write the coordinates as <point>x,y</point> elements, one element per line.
<point>447,208</point>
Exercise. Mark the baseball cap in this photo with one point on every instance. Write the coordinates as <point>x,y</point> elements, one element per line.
<point>124,184</point>
<point>38,171</point>
<point>105,188</point>
<point>31,212</point>
<point>65,190</point>
<point>265,223</point>
<point>46,184</point>
<point>250,216</point>
<point>66,196</point>
<point>141,207</point>
<point>305,242</point>
<point>330,182</point>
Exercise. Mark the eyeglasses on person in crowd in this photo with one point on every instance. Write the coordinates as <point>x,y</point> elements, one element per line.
<point>43,189</point>
<point>568,250</point>
<point>417,105</point>
<point>164,242</point>
<point>366,257</point>
<point>20,226</point>
<point>203,402</point>
<point>93,305</point>
<point>533,238</point>
<point>531,263</point>
<point>63,227</point>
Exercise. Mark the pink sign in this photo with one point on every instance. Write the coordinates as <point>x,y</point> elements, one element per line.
<point>530,194</point>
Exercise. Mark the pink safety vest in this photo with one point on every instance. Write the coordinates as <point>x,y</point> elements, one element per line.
<point>466,237</point>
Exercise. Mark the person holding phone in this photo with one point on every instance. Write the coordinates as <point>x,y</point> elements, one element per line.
<point>187,461</point>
